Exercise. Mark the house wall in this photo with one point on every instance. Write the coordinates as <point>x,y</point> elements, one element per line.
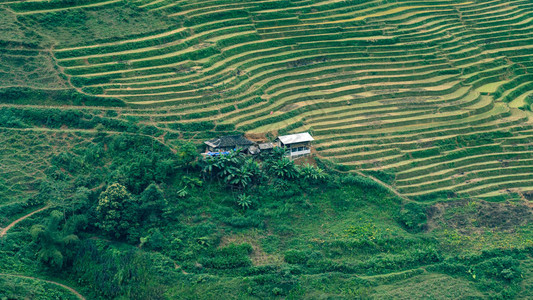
<point>297,149</point>
<point>296,145</point>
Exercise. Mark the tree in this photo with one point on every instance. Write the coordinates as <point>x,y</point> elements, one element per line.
<point>152,202</point>
<point>209,166</point>
<point>56,247</point>
<point>139,173</point>
<point>117,211</point>
<point>234,169</point>
<point>80,199</point>
<point>188,155</point>
<point>164,168</point>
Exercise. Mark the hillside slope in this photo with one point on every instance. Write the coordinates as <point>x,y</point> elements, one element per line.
<point>426,95</point>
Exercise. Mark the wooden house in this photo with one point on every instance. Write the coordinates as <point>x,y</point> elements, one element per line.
<point>224,144</point>
<point>297,145</point>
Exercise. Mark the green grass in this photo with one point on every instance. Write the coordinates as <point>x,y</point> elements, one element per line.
<point>36,70</point>
<point>429,286</point>
<point>520,100</point>
<point>25,157</point>
<point>23,288</point>
<point>13,31</point>
<point>83,26</point>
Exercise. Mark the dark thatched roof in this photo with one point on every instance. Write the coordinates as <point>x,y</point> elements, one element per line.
<point>229,141</point>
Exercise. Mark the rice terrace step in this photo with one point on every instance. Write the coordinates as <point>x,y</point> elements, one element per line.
<point>430,101</point>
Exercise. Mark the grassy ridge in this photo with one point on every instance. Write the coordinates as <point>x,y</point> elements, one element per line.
<point>343,236</point>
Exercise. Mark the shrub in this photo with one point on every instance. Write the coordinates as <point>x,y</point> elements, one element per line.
<point>296,257</point>
<point>412,216</point>
<point>244,222</point>
<point>505,269</point>
<point>382,175</point>
<point>154,241</point>
<point>244,201</point>
<point>363,182</point>
<point>229,257</point>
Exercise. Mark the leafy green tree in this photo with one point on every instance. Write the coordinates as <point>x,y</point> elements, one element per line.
<point>117,211</point>
<point>139,173</point>
<point>228,163</point>
<point>48,253</point>
<point>80,199</point>
<point>188,156</point>
<point>221,166</point>
<point>209,166</point>
<point>164,168</point>
<point>234,169</point>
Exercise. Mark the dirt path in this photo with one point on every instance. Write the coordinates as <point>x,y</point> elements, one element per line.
<point>4,230</point>
<point>423,269</point>
<point>73,291</point>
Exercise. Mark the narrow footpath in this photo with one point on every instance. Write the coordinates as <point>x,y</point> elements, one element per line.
<point>73,291</point>
<point>4,230</point>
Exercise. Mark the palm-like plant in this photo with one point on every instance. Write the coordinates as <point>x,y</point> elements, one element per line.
<point>232,168</point>
<point>55,245</point>
<point>243,175</point>
<point>283,168</point>
<point>244,201</point>
<point>209,165</point>
<point>311,173</point>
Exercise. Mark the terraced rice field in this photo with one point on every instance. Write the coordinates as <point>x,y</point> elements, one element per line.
<point>433,93</point>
